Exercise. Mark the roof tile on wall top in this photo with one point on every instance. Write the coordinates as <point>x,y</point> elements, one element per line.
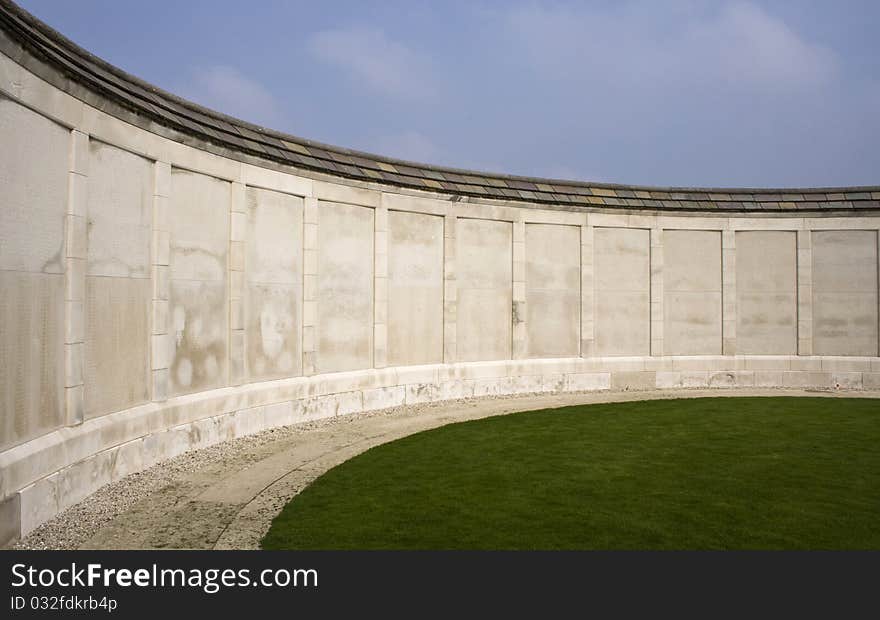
<point>515,184</point>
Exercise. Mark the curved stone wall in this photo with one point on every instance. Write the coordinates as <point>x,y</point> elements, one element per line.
<point>172,278</point>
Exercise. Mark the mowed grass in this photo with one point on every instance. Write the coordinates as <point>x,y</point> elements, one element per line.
<point>707,473</point>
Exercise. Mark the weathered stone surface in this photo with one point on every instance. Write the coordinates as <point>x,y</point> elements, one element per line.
<point>415,288</point>
<point>199,225</point>
<point>274,276</point>
<point>766,292</point>
<point>345,287</point>
<point>692,287</point>
<point>484,281</point>
<point>623,289</point>
<point>553,290</point>
<point>845,292</point>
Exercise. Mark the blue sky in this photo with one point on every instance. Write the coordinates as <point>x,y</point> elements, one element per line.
<point>677,92</point>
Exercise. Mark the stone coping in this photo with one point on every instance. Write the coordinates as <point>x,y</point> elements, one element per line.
<point>46,475</point>
<point>79,73</point>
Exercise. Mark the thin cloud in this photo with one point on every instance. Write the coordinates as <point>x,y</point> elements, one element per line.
<point>739,45</point>
<point>409,145</point>
<point>227,90</point>
<point>368,56</point>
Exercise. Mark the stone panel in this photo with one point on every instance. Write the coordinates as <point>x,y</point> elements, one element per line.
<point>484,272</point>
<point>844,292</point>
<point>622,259</point>
<point>692,308</point>
<point>33,202</point>
<point>198,221</point>
<point>553,290</point>
<point>766,292</point>
<point>31,355</point>
<point>273,300</point>
<point>415,288</point>
<point>120,200</point>
<point>117,354</point>
<point>118,293</point>
<point>345,287</point>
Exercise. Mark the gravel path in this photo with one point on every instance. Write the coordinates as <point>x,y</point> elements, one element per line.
<point>225,496</point>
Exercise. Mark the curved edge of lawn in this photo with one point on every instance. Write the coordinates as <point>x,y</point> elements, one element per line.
<point>701,473</point>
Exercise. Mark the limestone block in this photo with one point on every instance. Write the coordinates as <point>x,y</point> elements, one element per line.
<point>38,502</point>
<point>692,287</point>
<point>415,289</point>
<point>279,414</point>
<point>345,288</point>
<point>587,381</point>
<point>552,290</point>
<point>807,379</point>
<point>349,402</point>
<point>10,520</point>
<point>485,294</point>
<point>384,398</point>
<point>32,335</point>
<point>766,292</point>
<point>34,177</point>
<point>844,292</point>
<point>847,380</point>
<point>126,459</point>
<point>768,378</point>
<point>250,421</point>
<point>732,378</point>
<point>633,380</point>
<point>622,291</point>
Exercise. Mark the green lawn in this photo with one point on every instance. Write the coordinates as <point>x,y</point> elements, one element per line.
<point>708,473</point>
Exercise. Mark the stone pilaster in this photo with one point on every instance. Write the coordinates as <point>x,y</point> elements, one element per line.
<point>656,291</point>
<point>588,296</point>
<point>519,348</point>
<point>76,254</point>
<point>805,292</point>
<point>310,286</point>
<point>450,291</point>
<point>728,292</point>
<point>380,289</point>
<point>237,241</point>
<point>160,342</point>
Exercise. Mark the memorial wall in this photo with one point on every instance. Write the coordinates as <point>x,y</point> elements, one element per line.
<point>172,278</point>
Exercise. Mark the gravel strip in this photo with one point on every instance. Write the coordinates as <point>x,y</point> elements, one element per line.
<point>75,525</point>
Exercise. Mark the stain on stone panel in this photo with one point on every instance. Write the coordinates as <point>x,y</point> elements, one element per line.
<point>345,287</point>
<point>844,292</point>
<point>553,290</point>
<point>622,281</point>
<point>198,317</point>
<point>33,198</point>
<point>118,292</point>
<point>31,355</point>
<point>120,200</point>
<point>484,276</point>
<point>415,288</point>
<point>692,292</point>
<point>117,347</point>
<point>33,201</point>
<point>766,292</point>
<point>273,299</point>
